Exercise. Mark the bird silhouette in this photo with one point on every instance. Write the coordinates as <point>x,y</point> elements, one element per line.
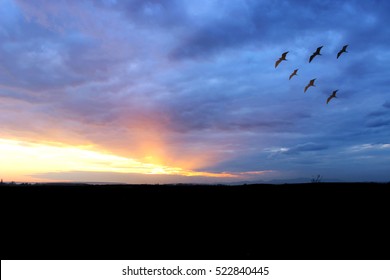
<point>331,96</point>
<point>293,74</point>
<point>283,57</point>
<point>344,49</point>
<point>317,52</point>
<point>310,84</point>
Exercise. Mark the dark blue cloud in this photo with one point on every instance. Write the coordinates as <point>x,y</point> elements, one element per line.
<point>379,119</point>
<point>210,39</point>
<point>259,23</point>
<point>154,12</point>
<point>37,58</point>
<point>379,123</point>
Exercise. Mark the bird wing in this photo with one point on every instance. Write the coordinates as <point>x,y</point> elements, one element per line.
<point>306,87</point>
<point>311,57</point>
<point>293,73</point>
<point>329,98</point>
<point>344,49</point>
<point>319,49</point>
<point>284,55</point>
<point>277,62</point>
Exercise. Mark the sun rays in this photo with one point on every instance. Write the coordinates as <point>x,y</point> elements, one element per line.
<point>24,161</point>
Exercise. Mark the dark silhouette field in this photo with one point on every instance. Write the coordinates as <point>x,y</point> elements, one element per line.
<point>291,221</point>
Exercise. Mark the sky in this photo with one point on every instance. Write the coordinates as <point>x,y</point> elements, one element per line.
<point>186,91</point>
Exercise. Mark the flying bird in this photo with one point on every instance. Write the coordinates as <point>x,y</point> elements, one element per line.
<point>332,95</point>
<point>344,49</point>
<point>317,52</point>
<point>310,84</point>
<point>283,57</point>
<point>293,74</point>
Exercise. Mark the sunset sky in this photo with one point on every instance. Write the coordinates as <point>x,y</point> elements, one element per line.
<point>175,91</point>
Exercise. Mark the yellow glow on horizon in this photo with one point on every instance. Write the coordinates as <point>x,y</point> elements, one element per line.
<point>22,161</point>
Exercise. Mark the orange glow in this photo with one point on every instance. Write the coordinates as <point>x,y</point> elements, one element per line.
<point>141,138</point>
<point>151,144</point>
<point>22,159</point>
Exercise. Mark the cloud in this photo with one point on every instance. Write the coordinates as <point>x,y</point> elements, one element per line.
<point>193,83</point>
<point>39,59</point>
<point>297,149</point>
<point>365,147</point>
<point>307,147</point>
<point>130,178</point>
<point>280,22</point>
<point>166,14</point>
<point>211,39</point>
<point>379,118</point>
<point>136,178</point>
<point>379,123</point>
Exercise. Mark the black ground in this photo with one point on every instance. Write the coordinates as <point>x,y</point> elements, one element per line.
<point>305,221</point>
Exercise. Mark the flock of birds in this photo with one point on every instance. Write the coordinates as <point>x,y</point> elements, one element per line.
<point>311,83</point>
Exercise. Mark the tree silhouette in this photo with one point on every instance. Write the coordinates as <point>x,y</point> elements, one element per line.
<point>317,179</point>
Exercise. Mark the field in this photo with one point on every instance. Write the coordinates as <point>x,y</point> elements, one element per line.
<point>305,221</point>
